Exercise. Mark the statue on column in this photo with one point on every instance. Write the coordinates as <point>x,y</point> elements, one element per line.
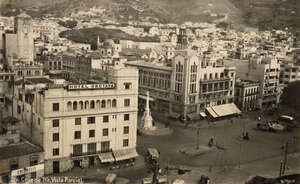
<point>147,121</point>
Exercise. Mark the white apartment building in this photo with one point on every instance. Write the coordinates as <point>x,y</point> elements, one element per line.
<point>266,71</point>
<point>289,72</point>
<point>81,124</point>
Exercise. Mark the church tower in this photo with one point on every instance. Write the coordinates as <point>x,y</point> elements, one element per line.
<point>24,31</point>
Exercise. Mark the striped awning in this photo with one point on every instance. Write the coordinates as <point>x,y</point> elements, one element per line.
<point>106,157</point>
<point>125,154</point>
<point>203,114</point>
<point>223,110</point>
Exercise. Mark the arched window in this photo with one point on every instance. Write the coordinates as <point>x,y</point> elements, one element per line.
<point>69,106</point>
<point>81,105</point>
<point>92,104</point>
<point>108,103</point>
<point>74,106</point>
<point>86,104</point>
<point>114,103</point>
<point>98,104</point>
<point>103,104</point>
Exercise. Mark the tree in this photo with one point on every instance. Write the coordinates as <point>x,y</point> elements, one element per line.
<point>290,95</point>
<point>68,24</point>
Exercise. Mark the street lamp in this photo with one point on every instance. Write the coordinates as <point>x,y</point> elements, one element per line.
<point>198,132</point>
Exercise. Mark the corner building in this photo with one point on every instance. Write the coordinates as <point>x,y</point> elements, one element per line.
<point>187,85</point>
<point>77,123</point>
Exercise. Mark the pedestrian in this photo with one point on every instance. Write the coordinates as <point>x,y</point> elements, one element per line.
<point>247,136</point>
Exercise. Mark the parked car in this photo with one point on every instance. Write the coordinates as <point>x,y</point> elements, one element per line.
<point>271,126</point>
<point>152,155</point>
<point>288,121</point>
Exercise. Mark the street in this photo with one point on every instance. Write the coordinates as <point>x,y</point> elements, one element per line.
<point>240,159</point>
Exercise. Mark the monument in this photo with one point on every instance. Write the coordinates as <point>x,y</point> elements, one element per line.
<point>147,121</point>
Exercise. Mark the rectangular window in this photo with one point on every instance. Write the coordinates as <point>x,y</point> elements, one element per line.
<point>127,85</point>
<point>77,121</point>
<point>126,117</point>
<point>126,130</point>
<point>105,146</point>
<point>14,164</point>
<point>55,123</point>
<point>91,120</point>
<point>91,148</point>
<point>105,132</point>
<point>125,142</point>
<point>77,135</point>
<point>77,149</point>
<point>105,119</point>
<point>55,151</point>
<point>55,107</point>
<point>91,133</point>
<point>19,109</point>
<point>33,175</point>
<point>34,160</point>
<point>127,102</point>
<point>55,137</point>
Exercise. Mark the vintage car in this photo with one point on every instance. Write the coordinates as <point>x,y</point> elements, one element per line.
<point>271,126</point>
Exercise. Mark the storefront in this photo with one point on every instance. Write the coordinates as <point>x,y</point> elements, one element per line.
<point>27,173</point>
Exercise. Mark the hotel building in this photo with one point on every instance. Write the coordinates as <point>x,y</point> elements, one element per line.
<point>81,124</point>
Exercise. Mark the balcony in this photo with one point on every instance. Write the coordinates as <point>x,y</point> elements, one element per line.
<point>86,154</point>
<point>208,80</point>
<point>215,90</point>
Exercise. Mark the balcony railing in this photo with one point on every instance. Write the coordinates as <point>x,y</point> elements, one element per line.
<point>207,80</point>
<point>83,154</point>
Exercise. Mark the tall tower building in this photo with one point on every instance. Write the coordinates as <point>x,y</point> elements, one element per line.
<point>24,31</point>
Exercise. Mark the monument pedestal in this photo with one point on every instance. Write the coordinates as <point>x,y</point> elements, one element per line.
<point>147,120</point>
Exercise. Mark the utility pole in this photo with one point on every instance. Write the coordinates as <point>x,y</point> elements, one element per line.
<point>285,157</point>
<point>240,155</point>
<point>198,132</point>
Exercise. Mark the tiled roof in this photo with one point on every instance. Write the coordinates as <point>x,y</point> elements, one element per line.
<point>17,150</point>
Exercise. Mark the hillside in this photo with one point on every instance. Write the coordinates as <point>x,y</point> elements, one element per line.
<point>80,35</point>
<point>265,14</point>
<point>123,10</point>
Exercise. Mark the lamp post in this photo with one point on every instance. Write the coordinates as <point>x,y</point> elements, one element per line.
<point>198,132</point>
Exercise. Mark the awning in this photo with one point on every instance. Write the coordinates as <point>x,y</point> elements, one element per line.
<point>106,157</point>
<point>223,110</point>
<point>211,112</point>
<point>125,154</point>
<point>203,114</point>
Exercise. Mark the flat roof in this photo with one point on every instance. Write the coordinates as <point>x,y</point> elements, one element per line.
<point>149,65</point>
<point>17,150</point>
<point>39,80</point>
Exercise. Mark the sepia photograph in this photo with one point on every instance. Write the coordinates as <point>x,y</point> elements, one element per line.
<point>150,91</point>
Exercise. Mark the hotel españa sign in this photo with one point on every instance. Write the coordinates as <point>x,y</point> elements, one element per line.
<point>92,86</point>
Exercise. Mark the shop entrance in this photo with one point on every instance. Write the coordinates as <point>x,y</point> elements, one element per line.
<point>91,161</point>
<point>55,166</point>
<point>77,163</point>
